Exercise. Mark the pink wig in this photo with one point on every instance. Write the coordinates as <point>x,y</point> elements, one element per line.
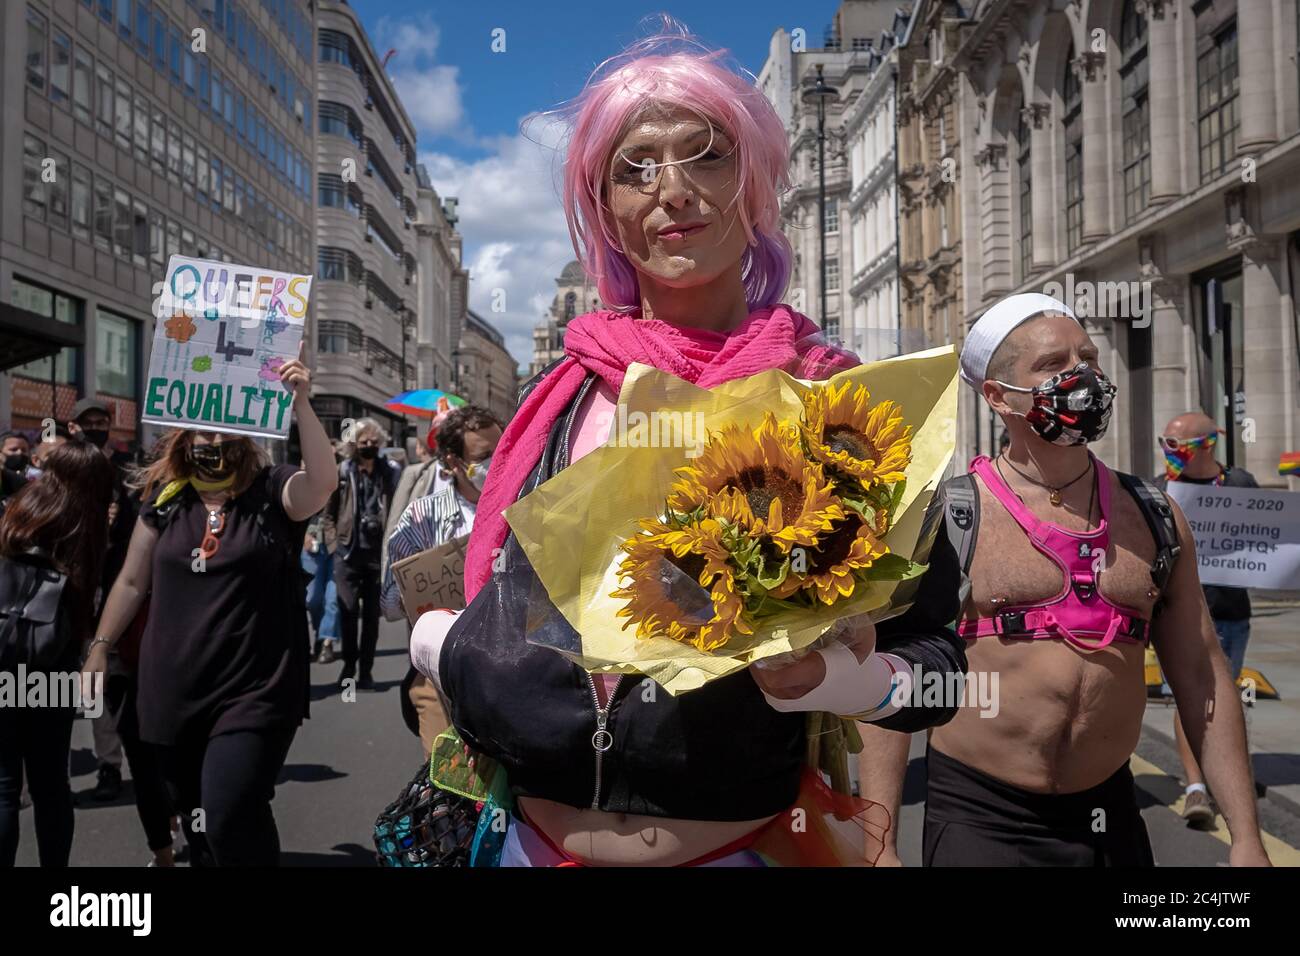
<point>670,70</point>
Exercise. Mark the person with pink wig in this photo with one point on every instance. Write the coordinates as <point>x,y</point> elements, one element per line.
<point>672,177</point>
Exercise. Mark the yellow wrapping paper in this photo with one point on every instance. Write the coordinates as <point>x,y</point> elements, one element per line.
<point>571,526</point>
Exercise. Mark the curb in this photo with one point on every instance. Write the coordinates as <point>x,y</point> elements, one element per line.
<point>1280,800</point>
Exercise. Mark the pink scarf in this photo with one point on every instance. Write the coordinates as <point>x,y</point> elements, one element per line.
<point>606,343</point>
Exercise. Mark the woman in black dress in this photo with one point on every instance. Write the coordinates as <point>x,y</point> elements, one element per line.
<point>223,676</point>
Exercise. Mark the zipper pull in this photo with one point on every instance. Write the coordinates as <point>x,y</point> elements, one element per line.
<point>602,739</point>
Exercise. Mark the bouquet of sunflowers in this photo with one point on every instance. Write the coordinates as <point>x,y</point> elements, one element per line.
<point>795,504</point>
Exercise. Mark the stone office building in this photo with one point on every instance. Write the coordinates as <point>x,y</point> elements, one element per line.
<point>123,144</point>
<point>1141,157</point>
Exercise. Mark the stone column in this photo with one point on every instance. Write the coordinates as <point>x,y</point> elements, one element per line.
<point>1042,183</point>
<point>1256,106</point>
<point>1162,98</point>
<point>1265,361</point>
<point>1170,378</point>
<point>1097,176</point>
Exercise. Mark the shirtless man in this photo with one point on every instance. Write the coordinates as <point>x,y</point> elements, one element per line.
<point>1046,780</point>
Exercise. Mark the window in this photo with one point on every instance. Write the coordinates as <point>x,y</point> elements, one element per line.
<point>34,199</point>
<point>1023,167</point>
<point>831,224</point>
<point>214,91</point>
<point>60,308</point>
<point>139,233</point>
<point>1072,120</point>
<point>337,337</point>
<point>106,10</point>
<point>174,151</point>
<point>173,238</point>
<point>58,192</point>
<point>103,101</point>
<point>202,167</point>
<point>141,128</point>
<point>174,54</point>
<point>81,78</point>
<point>833,274</point>
<point>156,250</point>
<point>123,115</point>
<point>216,183</point>
<point>189,70</point>
<point>123,239</point>
<point>117,354</point>
<point>81,201</point>
<point>187,161</point>
<point>339,265</point>
<point>187,243</point>
<point>1135,109</point>
<point>1216,103</point>
<point>124,18</point>
<point>338,120</point>
<point>103,213</point>
<point>142,26</point>
<point>37,31</point>
<point>228,190</point>
<point>159,43</point>
<point>159,142</point>
<point>59,67</point>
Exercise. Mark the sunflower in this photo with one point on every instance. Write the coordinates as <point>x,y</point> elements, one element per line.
<point>760,481</point>
<point>660,562</point>
<point>851,546</point>
<point>871,444</point>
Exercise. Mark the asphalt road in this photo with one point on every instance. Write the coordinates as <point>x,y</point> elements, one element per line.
<point>352,757</point>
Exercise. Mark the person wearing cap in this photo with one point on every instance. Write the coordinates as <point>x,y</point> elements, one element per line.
<point>1063,564</point>
<point>466,438</point>
<point>1188,442</point>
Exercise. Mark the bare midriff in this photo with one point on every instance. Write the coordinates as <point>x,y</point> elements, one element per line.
<point>599,838</point>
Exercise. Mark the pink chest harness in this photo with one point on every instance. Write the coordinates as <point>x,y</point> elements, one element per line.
<point>1079,614</point>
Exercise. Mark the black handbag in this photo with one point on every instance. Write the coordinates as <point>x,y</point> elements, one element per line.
<point>34,626</point>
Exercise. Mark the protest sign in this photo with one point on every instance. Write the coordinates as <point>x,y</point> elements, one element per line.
<point>222,333</point>
<point>432,579</point>
<point>1245,537</point>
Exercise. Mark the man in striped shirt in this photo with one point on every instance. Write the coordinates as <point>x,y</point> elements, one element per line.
<point>466,439</point>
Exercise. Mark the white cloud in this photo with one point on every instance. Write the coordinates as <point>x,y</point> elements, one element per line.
<point>515,235</point>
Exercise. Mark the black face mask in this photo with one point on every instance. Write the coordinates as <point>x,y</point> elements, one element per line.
<point>1072,407</point>
<point>96,436</point>
<point>213,462</point>
<point>368,452</point>
<point>18,462</point>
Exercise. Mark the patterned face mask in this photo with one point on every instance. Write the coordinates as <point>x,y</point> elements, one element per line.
<point>1179,451</point>
<point>477,472</point>
<point>1072,407</point>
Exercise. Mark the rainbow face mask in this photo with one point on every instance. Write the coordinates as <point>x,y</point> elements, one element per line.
<point>1178,452</point>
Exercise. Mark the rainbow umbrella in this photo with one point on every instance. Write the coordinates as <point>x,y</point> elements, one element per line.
<point>424,402</point>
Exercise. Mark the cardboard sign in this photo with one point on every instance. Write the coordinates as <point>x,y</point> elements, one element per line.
<point>432,579</point>
<point>1245,537</point>
<point>223,331</point>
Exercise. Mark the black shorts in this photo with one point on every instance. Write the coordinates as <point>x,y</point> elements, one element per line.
<point>972,819</point>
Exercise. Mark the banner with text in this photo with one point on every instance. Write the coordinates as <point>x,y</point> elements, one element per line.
<point>1245,537</point>
<point>432,579</point>
<point>223,331</point>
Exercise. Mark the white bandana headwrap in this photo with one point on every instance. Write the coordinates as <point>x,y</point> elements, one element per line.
<point>992,328</point>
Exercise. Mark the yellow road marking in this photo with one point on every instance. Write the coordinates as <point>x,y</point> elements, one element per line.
<point>1279,851</point>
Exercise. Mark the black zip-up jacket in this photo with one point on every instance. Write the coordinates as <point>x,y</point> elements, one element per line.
<point>717,753</point>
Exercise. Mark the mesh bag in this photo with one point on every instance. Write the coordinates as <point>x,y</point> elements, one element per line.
<point>426,826</point>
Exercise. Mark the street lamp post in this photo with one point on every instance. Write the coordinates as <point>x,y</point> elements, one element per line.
<point>821,93</point>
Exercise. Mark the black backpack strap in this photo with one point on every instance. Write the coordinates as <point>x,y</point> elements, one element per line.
<point>961,516</point>
<point>1159,517</point>
<point>533,382</point>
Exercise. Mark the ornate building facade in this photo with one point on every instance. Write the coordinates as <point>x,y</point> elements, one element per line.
<point>575,294</point>
<point>1139,159</point>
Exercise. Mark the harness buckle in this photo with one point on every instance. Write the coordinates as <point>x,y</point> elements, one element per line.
<point>1085,587</point>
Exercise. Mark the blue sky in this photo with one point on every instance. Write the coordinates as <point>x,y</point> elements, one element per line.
<point>467,103</point>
